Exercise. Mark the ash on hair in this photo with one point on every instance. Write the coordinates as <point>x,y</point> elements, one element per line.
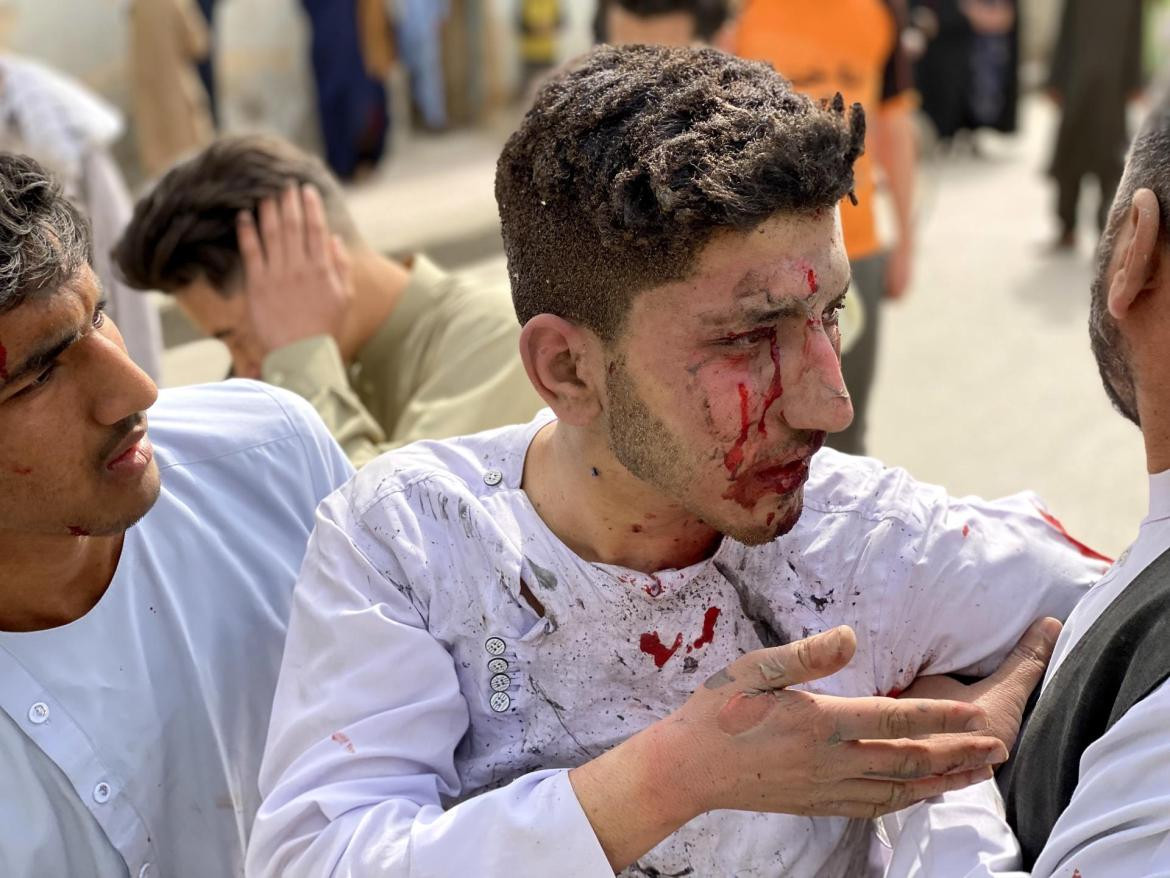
<point>184,229</point>
<point>44,239</point>
<point>632,160</point>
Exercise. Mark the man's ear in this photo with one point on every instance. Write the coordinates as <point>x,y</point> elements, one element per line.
<point>1138,253</point>
<point>563,362</point>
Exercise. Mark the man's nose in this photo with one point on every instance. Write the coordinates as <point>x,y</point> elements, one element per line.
<point>815,397</point>
<point>121,387</point>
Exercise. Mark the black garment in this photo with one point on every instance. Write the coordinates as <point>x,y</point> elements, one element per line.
<point>967,80</point>
<point>1096,68</point>
<point>1120,660</point>
<point>206,67</point>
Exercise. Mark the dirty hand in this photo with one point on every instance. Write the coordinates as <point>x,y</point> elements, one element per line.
<point>296,275</point>
<point>1004,695</point>
<point>748,742</point>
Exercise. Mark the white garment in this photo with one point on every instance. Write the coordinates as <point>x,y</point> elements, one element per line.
<point>133,735</point>
<point>1118,821</point>
<point>425,714</point>
<point>71,131</point>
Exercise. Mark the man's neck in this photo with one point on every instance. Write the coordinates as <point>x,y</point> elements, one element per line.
<point>49,581</point>
<point>378,285</point>
<point>602,512</point>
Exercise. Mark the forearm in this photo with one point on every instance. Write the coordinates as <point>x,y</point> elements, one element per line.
<point>895,152</point>
<point>632,797</point>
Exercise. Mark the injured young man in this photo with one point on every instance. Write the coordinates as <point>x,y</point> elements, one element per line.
<point>658,630</point>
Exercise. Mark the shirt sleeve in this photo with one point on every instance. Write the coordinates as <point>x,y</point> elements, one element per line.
<point>360,770</point>
<point>985,570</point>
<point>312,368</point>
<point>327,464</point>
<point>1117,823</point>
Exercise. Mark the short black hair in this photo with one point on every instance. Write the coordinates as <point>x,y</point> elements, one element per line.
<point>44,238</point>
<point>710,15</point>
<point>185,227</point>
<point>632,159</point>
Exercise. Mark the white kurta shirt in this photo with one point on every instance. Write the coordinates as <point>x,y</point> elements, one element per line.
<point>1118,821</point>
<point>426,715</point>
<point>130,739</point>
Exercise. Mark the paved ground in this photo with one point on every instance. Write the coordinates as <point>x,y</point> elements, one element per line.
<point>986,383</point>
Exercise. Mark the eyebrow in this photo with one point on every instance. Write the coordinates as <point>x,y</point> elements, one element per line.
<point>223,334</point>
<point>789,306</point>
<point>42,358</point>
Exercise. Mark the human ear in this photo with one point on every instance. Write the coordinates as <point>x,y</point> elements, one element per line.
<point>1138,253</point>
<point>557,356</point>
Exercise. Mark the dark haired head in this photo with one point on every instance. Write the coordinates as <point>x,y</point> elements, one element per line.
<point>1148,167</point>
<point>44,239</point>
<point>185,228</point>
<point>633,159</point>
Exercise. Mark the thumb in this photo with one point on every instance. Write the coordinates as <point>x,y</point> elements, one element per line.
<point>1024,668</point>
<point>799,662</point>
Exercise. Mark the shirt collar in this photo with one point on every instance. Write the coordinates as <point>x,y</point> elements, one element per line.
<point>1159,496</point>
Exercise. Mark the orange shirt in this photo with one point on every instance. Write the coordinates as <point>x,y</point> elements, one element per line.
<point>829,46</point>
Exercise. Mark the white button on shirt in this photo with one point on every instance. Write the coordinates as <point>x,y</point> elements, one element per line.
<point>130,738</point>
<point>1117,824</point>
<point>396,750</point>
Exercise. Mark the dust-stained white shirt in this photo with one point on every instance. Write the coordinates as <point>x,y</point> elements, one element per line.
<point>426,715</point>
<point>1117,823</point>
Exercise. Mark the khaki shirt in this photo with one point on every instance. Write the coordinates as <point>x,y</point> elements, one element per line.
<point>445,363</point>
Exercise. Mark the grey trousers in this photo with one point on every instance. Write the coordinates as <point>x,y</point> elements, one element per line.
<point>859,363</point>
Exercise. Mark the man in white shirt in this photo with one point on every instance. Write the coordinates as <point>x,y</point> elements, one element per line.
<point>145,581</point>
<point>1088,789</point>
<point>565,647</point>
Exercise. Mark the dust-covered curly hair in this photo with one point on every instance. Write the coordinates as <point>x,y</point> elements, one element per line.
<point>632,159</point>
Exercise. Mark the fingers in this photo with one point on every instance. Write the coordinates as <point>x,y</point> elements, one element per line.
<point>317,236</point>
<point>913,760</point>
<point>251,253</point>
<point>342,266</point>
<point>873,798</point>
<point>799,662</point>
<point>1024,668</point>
<point>271,232</point>
<point>858,719</point>
<point>292,225</point>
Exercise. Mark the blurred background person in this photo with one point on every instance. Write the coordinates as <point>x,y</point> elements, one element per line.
<point>167,39</point>
<point>71,131</point>
<point>253,238</point>
<point>1096,71</point>
<point>660,22</point>
<point>348,68</point>
<point>540,22</point>
<point>853,47</point>
<point>967,70</point>
<point>206,67</point>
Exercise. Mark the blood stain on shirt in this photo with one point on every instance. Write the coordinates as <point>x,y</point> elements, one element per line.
<point>709,619</point>
<point>654,647</point>
<point>343,740</point>
<point>1076,544</point>
<point>966,531</point>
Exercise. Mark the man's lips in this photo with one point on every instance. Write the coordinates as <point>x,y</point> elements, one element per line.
<point>127,447</point>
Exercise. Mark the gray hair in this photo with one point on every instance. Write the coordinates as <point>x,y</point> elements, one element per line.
<point>44,239</point>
